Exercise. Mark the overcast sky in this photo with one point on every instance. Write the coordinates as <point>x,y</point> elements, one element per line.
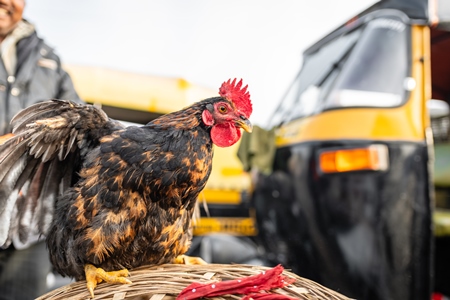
<point>204,42</point>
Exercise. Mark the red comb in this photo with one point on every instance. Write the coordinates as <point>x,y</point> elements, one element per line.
<point>240,97</point>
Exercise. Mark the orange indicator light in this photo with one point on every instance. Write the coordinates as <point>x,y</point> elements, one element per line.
<point>374,157</point>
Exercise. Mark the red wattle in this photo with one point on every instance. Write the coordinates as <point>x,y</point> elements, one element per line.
<point>225,135</point>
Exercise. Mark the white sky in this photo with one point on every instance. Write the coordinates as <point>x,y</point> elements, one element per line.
<point>204,42</point>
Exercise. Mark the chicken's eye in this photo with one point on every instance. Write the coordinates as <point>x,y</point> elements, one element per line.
<point>222,109</point>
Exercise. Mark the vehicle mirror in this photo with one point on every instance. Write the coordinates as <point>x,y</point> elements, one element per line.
<point>438,108</point>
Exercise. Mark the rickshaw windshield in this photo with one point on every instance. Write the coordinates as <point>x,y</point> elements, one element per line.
<point>316,68</point>
<point>353,70</point>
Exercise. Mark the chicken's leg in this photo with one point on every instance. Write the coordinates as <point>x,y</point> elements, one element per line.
<point>188,260</point>
<point>96,275</point>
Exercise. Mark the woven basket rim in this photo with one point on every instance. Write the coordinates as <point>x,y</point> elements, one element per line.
<point>165,282</point>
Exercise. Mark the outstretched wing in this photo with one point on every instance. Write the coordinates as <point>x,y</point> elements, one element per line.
<point>41,160</point>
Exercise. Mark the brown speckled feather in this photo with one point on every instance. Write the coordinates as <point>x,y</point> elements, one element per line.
<point>134,201</point>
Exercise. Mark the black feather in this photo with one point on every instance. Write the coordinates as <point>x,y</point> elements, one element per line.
<point>46,134</point>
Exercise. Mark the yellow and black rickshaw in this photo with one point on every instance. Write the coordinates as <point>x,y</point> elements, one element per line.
<point>349,202</point>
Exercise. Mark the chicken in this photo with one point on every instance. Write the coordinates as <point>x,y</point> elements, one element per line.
<point>110,198</point>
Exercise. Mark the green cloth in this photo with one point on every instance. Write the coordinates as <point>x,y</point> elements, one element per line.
<point>441,175</point>
<point>257,150</point>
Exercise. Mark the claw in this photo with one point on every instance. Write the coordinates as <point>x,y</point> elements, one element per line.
<point>188,260</point>
<point>96,275</point>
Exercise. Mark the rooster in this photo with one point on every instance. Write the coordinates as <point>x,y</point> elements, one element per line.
<point>110,198</point>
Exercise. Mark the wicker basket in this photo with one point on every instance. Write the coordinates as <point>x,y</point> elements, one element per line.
<point>165,282</point>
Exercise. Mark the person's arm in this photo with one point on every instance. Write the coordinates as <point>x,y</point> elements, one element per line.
<point>66,88</point>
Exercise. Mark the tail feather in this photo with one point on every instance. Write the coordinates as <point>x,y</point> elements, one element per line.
<point>42,160</point>
<point>48,195</point>
<point>10,193</point>
<point>32,113</point>
<point>9,158</point>
<point>72,140</point>
<point>26,202</point>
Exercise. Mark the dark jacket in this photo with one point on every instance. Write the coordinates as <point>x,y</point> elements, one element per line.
<point>39,76</point>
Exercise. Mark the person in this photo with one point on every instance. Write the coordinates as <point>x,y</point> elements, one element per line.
<point>30,72</point>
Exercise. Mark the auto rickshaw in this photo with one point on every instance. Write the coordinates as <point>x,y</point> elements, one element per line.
<point>350,199</point>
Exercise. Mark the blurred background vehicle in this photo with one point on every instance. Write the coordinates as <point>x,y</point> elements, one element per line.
<point>362,141</point>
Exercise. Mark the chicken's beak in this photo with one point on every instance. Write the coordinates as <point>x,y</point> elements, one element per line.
<point>245,124</point>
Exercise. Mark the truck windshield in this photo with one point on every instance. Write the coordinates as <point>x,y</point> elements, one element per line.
<point>367,67</point>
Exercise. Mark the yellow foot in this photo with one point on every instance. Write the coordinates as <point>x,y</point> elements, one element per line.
<point>188,260</point>
<point>96,275</point>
